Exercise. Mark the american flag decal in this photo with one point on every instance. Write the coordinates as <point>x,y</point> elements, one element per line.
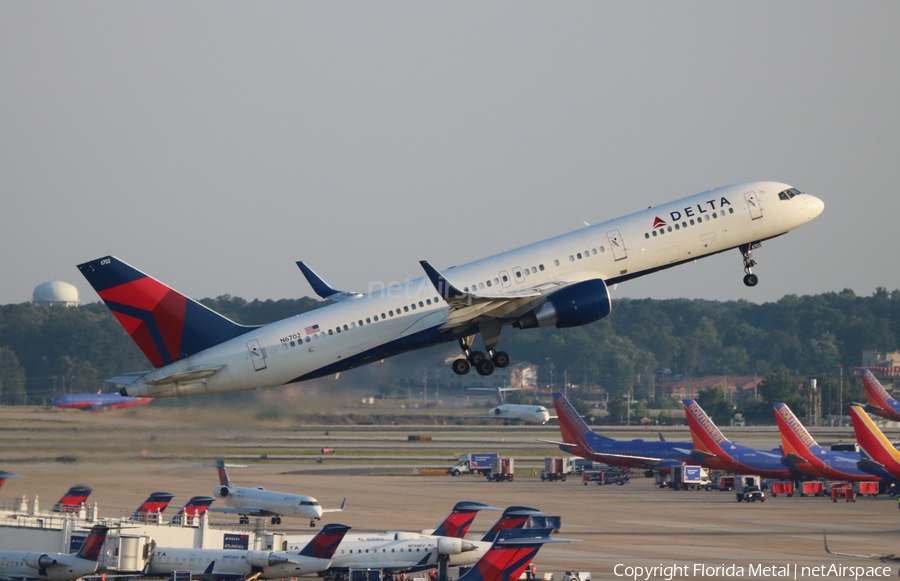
<point>311,330</point>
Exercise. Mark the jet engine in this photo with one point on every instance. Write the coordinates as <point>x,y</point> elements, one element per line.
<point>573,306</point>
<point>453,546</point>
<point>38,561</point>
<point>221,491</point>
<point>265,558</point>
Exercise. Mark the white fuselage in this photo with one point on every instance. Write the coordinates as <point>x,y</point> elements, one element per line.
<point>15,565</point>
<point>225,563</point>
<point>279,503</point>
<point>532,414</point>
<point>411,315</point>
<point>402,552</point>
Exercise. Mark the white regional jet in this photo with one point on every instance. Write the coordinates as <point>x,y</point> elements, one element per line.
<point>222,564</point>
<point>258,501</point>
<point>23,565</point>
<point>397,551</point>
<point>516,412</point>
<point>562,282</point>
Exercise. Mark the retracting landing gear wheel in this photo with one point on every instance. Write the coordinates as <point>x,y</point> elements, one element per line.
<point>484,367</point>
<point>501,359</point>
<point>751,279</point>
<point>460,366</point>
<point>476,357</point>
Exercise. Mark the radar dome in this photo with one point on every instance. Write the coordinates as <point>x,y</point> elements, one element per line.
<point>55,293</point>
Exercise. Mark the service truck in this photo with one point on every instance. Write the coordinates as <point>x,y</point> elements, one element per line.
<point>473,463</point>
<point>749,487</point>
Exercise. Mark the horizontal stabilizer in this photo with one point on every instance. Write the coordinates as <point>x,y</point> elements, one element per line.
<point>322,288</point>
<point>126,378</point>
<point>795,459</point>
<point>867,465</point>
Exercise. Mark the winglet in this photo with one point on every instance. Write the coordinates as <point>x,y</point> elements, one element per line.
<point>322,288</point>
<point>444,288</point>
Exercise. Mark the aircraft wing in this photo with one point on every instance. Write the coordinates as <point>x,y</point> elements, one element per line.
<point>467,306</point>
<point>882,558</point>
<point>796,460</point>
<point>335,509</point>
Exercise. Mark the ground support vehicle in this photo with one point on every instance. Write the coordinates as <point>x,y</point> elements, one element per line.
<point>690,478</point>
<point>555,469</point>
<point>474,463</point>
<point>749,487</point>
<point>618,476</point>
<point>502,470</point>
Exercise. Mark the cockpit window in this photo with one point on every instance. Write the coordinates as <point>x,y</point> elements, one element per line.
<point>788,194</point>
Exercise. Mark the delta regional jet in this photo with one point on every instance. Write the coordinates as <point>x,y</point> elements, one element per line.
<point>562,282</point>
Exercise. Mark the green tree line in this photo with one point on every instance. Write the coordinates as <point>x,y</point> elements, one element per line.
<point>47,352</point>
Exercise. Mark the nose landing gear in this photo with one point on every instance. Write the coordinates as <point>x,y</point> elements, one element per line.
<point>750,279</point>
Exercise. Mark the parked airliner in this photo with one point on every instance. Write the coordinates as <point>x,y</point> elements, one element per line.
<point>580,440</point>
<point>21,565</point>
<point>718,452</point>
<point>257,501</point>
<point>801,450</point>
<point>218,564</point>
<point>410,552</point>
<point>877,449</point>
<point>561,282</point>
<point>878,400</point>
<point>98,401</point>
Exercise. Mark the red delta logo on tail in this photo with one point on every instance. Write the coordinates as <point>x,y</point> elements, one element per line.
<point>90,549</point>
<point>325,543</point>
<point>460,519</point>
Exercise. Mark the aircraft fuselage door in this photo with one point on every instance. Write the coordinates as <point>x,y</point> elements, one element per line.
<point>617,245</point>
<point>504,278</point>
<point>517,272</point>
<point>257,355</point>
<point>753,205</point>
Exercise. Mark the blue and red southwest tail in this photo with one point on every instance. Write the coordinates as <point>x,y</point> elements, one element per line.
<point>326,541</point>
<point>165,324</point>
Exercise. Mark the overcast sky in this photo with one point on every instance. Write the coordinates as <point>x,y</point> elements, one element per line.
<point>211,145</point>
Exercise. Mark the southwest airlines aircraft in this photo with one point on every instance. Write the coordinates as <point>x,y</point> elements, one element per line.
<point>562,282</point>
<point>878,400</point>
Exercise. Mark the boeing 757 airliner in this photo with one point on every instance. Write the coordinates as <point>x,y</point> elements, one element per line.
<point>562,282</point>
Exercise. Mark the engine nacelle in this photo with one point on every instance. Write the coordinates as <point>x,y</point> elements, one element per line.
<point>453,546</point>
<point>573,306</point>
<point>38,561</point>
<point>221,491</point>
<point>265,558</point>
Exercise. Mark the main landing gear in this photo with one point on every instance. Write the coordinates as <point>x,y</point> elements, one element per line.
<point>484,363</point>
<point>750,279</point>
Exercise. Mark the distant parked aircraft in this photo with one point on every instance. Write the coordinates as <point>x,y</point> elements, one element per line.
<point>73,499</point>
<point>878,401</point>
<point>801,450</point>
<point>878,450</point>
<point>580,440</point>
<point>98,401</point>
<point>718,452</point>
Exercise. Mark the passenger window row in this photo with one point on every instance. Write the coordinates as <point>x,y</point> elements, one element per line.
<point>368,321</point>
<point>518,273</point>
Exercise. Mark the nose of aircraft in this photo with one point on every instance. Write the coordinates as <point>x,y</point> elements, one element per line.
<point>815,206</point>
